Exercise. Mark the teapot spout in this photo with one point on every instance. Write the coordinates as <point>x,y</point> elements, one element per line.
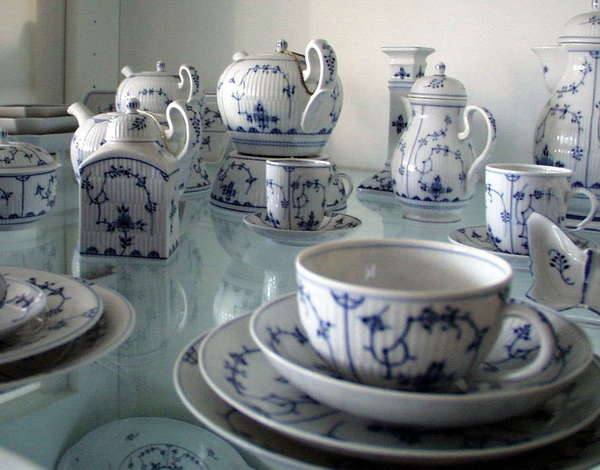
<point>81,112</point>
<point>553,60</point>
<point>127,71</point>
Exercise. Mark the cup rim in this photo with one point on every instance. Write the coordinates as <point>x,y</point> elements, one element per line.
<point>299,163</point>
<point>527,169</point>
<point>502,282</point>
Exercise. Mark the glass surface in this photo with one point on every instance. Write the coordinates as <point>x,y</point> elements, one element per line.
<point>221,270</point>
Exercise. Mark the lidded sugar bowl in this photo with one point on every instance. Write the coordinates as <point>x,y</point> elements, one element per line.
<point>281,104</point>
<point>28,180</point>
<point>434,168</point>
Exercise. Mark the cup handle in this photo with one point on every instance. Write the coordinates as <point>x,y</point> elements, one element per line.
<point>349,187</point>
<point>545,353</point>
<point>593,205</point>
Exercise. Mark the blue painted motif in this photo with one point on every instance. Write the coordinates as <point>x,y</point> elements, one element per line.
<point>161,456</point>
<point>560,262</point>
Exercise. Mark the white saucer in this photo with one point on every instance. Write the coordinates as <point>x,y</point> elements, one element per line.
<point>72,308</point>
<point>151,443</point>
<point>477,237</point>
<point>236,369</point>
<point>114,326</point>
<point>23,302</point>
<point>276,328</point>
<point>334,226</point>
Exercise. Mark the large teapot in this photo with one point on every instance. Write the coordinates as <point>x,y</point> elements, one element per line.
<point>157,89</point>
<point>567,131</point>
<point>281,104</point>
<point>434,168</point>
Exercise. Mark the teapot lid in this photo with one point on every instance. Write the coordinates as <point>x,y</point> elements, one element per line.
<point>438,87</point>
<point>583,28</point>
<point>281,54</point>
<point>20,155</point>
<point>133,126</point>
<point>160,71</point>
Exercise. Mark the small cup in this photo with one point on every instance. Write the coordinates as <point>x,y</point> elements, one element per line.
<point>408,314</point>
<point>296,192</point>
<point>514,191</point>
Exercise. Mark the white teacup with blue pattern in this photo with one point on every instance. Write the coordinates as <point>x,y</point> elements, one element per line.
<point>408,314</point>
<point>514,191</point>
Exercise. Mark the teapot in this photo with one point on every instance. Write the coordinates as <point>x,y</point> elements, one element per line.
<point>157,89</point>
<point>434,169</point>
<point>567,132</point>
<point>281,104</point>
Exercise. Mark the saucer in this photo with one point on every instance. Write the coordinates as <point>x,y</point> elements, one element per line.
<point>236,369</point>
<point>151,443</point>
<point>72,308</point>
<point>277,330</point>
<point>477,237</point>
<point>333,227</point>
<point>23,302</point>
<point>114,326</point>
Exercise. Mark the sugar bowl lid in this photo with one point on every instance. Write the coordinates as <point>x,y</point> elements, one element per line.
<point>20,155</point>
<point>133,126</point>
<point>438,87</point>
<point>583,28</point>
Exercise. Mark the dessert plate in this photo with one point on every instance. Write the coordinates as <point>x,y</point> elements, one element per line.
<point>23,302</point>
<point>477,237</point>
<point>580,451</point>
<point>236,369</point>
<point>72,308</point>
<point>115,325</point>
<point>151,443</point>
<point>276,328</point>
<point>333,227</point>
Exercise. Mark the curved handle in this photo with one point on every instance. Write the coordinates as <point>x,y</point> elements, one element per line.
<point>593,205</point>
<point>191,78</point>
<point>483,157</point>
<point>349,186</point>
<point>321,62</point>
<point>178,136</point>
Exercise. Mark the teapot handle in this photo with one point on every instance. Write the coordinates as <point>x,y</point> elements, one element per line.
<point>483,157</point>
<point>179,134</point>
<point>190,75</point>
<point>321,61</point>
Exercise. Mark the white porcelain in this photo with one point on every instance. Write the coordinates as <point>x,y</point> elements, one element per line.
<point>564,274</point>
<point>239,184</point>
<point>130,187</point>
<point>237,371</point>
<point>112,329</point>
<point>72,308</point>
<point>157,89</point>
<point>406,64</point>
<point>283,103</point>
<point>566,131</point>
<point>434,168</point>
<point>277,330</point>
<point>22,302</point>
<point>477,236</point>
<point>38,125</point>
<point>514,191</point>
<point>32,110</point>
<point>334,226</point>
<point>28,180</point>
<point>408,314</point>
<point>151,443</point>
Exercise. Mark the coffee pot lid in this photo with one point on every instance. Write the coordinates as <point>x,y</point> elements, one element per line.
<point>438,87</point>
<point>583,28</point>
<point>21,155</point>
<point>133,126</point>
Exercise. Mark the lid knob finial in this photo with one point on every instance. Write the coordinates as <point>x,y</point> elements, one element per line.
<point>133,104</point>
<point>440,68</point>
<point>282,45</point>
<point>160,66</point>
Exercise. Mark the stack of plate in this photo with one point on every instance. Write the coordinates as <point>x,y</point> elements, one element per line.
<point>18,119</point>
<point>51,324</point>
<point>257,382</point>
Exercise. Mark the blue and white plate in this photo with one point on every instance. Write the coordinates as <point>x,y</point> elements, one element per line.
<point>23,302</point>
<point>276,328</point>
<point>477,237</point>
<point>113,328</point>
<point>236,369</point>
<point>151,443</point>
<point>72,308</point>
<point>333,227</point>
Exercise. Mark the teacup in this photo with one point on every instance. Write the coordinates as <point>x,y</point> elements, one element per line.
<point>514,191</point>
<point>296,192</point>
<point>408,314</point>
